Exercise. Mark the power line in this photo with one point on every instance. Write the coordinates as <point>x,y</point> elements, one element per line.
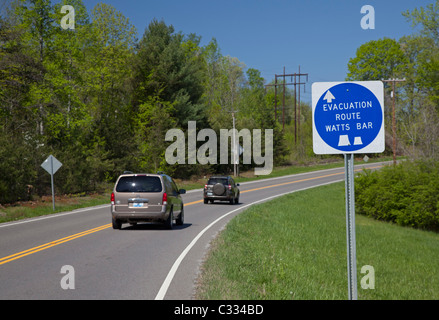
<point>297,82</point>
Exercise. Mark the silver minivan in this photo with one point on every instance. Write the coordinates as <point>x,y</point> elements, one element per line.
<point>144,197</point>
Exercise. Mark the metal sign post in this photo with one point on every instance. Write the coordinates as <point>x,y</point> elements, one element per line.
<point>348,119</point>
<point>51,165</point>
<point>350,226</point>
<point>51,182</point>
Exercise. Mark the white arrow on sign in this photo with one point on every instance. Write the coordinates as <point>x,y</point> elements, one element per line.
<point>328,97</point>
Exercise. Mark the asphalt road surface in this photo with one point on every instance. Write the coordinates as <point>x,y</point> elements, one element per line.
<point>77,254</point>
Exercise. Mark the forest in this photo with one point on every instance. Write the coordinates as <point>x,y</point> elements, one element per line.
<point>101,100</point>
<point>101,97</point>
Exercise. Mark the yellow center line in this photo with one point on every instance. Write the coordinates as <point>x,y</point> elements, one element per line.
<point>51,244</point>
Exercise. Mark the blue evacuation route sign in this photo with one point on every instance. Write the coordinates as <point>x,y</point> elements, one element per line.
<point>348,117</point>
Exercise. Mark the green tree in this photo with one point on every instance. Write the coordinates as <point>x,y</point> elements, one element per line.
<point>107,74</point>
<point>258,108</point>
<point>19,71</point>
<point>223,90</point>
<point>376,60</point>
<point>422,90</point>
<point>153,121</point>
<point>416,50</point>
<point>428,19</point>
<point>168,65</point>
<point>35,19</point>
<point>66,114</point>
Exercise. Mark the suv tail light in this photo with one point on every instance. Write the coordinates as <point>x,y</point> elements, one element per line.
<point>165,198</point>
<point>112,198</point>
<point>205,186</point>
<point>230,187</point>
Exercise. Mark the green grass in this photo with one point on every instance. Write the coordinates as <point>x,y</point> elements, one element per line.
<point>294,247</point>
<point>30,210</point>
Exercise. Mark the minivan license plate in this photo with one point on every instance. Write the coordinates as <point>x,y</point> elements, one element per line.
<point>137,205</point>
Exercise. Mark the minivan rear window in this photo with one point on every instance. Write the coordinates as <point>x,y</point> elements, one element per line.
<point>139,184</point>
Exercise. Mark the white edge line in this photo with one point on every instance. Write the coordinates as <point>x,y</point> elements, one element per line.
<point>164,288</point>
<point>297,174</point>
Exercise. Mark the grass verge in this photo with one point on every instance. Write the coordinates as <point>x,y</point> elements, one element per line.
<point>32,209</point>
<point>294,247</point>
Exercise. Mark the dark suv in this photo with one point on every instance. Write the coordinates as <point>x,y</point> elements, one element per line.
<point>221,188</point>
<point>146,198</point>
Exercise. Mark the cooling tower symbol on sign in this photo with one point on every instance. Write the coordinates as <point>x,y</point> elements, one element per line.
<point>344,141</point>
<point>357,141</point>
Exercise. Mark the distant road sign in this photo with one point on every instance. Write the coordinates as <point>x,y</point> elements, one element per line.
<point>51,164</point>
<point>348,117</point>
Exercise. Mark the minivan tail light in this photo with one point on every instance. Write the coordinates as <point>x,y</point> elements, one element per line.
<point>112,198</point>
<point>165,198</point>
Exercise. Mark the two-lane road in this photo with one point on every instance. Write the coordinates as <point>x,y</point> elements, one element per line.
<point>138,262</point>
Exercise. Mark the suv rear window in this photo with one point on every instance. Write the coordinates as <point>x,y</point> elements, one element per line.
<point>217,180</point>
<point>139,184</point>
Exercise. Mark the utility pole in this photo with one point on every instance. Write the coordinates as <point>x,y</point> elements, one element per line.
<point>297,81</point>
<point>298,118</point>
<point>234,146</point>
<point>393,114</point>
<point>283,103</point>
<point>275,98</point>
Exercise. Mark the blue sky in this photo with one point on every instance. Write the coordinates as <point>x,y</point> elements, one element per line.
<point>319,35</point>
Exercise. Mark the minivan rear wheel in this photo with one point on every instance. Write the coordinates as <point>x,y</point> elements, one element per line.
<point>180,220</point>
<point>169,223</point>
<point>116,224</point>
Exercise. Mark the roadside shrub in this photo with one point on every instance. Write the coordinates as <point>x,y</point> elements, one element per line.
<point>16,180</point>
<point>406,194</point>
